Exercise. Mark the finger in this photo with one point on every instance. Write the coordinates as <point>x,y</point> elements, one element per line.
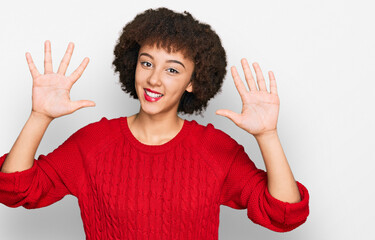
<point>248,75</point>
<point>238,82</point>
<point>229,114</point>
<point>34,72</point>
<point>260,78</point>
<point>66,59</point>
<point>47,58</point>
<point>78,72</point>
<point>273,86</point>
<point>75,105</point>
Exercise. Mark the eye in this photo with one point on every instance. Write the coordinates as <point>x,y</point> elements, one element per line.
<point>172,70</point>
<point>146,64</point>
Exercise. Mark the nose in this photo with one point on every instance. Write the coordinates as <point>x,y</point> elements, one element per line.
<point>154,78</point>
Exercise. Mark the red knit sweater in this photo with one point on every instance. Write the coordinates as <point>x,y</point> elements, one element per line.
<point>129,190</point>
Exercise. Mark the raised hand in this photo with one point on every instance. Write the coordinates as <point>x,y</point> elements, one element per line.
<point>50,93</point>
<point>260,108</point>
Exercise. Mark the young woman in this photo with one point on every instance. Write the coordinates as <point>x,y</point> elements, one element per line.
<point>153,174</point>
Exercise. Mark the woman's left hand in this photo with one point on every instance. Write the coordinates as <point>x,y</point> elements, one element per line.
<point>260,108</point>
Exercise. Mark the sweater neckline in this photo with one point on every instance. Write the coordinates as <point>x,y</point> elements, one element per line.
<point>154,148</point>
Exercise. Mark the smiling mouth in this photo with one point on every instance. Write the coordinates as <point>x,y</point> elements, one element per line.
<point>152,97</point>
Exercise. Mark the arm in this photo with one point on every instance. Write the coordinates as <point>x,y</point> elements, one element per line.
<point>281,183</point>
<point>21,156</point>
<point>50,178</point>
<point>245,186</point>
<point>259,118</point>
<point>23,180</point>
<point>274,199</point>
<point>50,100</point>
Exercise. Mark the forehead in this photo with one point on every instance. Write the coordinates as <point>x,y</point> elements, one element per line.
<point>166,52</point>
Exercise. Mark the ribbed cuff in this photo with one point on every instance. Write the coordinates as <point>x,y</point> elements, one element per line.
<point>16,181</point>
<point>289,214</point>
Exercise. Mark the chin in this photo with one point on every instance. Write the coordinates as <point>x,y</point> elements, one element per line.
<point>152,111</point>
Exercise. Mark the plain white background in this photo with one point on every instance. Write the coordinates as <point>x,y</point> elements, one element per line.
<point>322,53</point>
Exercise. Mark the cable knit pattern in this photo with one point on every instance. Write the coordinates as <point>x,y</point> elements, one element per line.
<point>130,190</point>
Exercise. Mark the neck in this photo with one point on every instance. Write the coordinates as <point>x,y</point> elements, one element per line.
<point>154,129</point>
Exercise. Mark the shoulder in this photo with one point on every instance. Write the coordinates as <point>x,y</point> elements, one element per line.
<point>103,124</point>
<point>212,138</point>
<point>214,146</point>
<point>102,131</point>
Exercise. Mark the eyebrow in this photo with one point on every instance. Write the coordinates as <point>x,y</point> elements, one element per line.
<point>174,61</point>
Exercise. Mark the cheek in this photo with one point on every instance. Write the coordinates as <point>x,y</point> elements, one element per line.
<point>136,75</point>
<point>176,87</point>
<point>140,75</point>
<point>137,78</point>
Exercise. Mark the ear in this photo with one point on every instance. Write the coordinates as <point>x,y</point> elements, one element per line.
<point>189,88</point>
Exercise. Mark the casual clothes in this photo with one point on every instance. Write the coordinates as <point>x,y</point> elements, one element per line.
<point>129,190</point>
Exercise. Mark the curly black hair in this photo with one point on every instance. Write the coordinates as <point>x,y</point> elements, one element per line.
<point>174,32</point>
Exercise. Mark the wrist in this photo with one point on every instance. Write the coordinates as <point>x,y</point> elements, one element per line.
<point>266,135</point>
<point>40,117</point>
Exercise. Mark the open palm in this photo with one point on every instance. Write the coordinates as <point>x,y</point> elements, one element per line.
<point>50,93</point>
<point>260,108</point>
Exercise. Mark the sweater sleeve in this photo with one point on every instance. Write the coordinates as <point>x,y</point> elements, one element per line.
<point>245,186</point>
<point>50,178</point>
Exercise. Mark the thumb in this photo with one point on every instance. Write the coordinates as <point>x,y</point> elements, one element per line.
<point>81,104</point>
<point>229,114</point>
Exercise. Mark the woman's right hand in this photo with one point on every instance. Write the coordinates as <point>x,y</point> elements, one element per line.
<point>50,94</point>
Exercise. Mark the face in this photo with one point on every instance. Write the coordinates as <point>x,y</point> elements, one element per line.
<point>161,78</point>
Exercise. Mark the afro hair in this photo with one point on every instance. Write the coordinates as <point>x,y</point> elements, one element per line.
<point>174,32</point>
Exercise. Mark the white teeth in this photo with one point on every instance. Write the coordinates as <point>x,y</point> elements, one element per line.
<point>153,95</point>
